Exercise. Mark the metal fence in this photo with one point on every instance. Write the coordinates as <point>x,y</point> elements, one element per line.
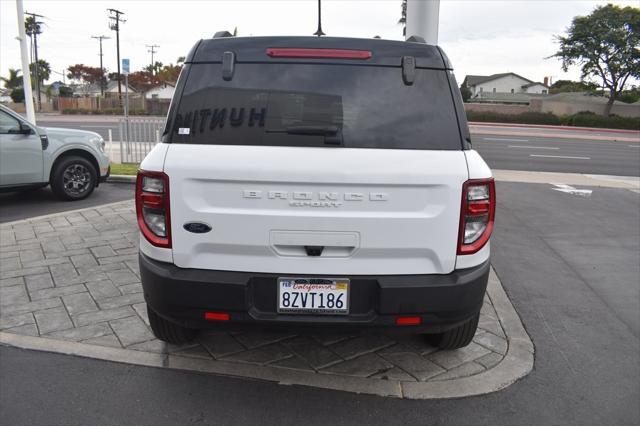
<point>137,136</point>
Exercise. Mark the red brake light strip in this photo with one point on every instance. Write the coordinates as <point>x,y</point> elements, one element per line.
<point>292,52</point>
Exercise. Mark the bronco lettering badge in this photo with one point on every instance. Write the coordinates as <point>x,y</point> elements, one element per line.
<point>315,199</point>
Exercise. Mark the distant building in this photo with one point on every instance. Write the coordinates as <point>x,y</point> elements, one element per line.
<point>488,86</point>
<point>162,91</point>
<point>93,90</point>
<point>4,96</point>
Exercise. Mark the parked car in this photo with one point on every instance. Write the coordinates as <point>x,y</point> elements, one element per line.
<point>73,162</point>
<point>315,182</point>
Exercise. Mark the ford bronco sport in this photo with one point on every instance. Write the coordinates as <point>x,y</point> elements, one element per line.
<point>322,182</point>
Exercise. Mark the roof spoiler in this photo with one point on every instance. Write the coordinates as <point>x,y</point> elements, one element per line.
<point>416,39</point>
<point>221,34</point>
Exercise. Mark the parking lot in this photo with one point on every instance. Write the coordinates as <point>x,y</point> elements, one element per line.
<point>567,262</point>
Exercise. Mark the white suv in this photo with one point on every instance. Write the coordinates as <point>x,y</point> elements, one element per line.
<point>321,182</point>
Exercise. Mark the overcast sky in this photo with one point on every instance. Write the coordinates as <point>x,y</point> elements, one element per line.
<point>480,37</point>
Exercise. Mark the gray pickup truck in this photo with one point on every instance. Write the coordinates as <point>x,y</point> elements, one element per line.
<point>72,161</point>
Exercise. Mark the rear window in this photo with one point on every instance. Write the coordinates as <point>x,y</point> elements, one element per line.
<point>315,105</point>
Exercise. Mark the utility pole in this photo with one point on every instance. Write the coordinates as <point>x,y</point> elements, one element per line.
<point>26,77</point>
<point>35,47</point>
<point>152,50</point>
<point>319,30</point>
<point>115,26</point>
<point>100,38</point>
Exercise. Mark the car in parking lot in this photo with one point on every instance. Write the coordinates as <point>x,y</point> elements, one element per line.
<point>73,162</point>
<point>315,182</point>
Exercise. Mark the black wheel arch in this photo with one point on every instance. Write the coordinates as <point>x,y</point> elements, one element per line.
<point>76,152</point>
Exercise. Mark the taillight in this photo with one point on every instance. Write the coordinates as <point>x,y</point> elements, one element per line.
<point>477,214</point>
<point>293,52</point>
<point>152,207</point>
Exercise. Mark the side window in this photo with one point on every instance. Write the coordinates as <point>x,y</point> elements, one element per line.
<point>8,124</point>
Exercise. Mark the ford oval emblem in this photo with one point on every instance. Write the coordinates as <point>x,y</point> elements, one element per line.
<point>197,227</point>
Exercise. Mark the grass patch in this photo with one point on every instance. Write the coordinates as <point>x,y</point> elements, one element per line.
<point>125,169</point>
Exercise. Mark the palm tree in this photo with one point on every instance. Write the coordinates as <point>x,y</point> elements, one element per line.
<point>13,81</point>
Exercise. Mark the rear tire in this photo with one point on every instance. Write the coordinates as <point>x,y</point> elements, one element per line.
<point>455,338</point>
<point>168,331</point>
<point>74,178</point>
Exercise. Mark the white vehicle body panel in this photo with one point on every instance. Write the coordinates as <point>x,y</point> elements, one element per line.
<point>376,211</point>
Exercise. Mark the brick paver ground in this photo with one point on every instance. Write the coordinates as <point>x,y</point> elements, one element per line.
<point>75,277</point>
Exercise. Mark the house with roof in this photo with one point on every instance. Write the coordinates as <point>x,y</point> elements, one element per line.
<point>93,90</point>
<point>161,91</point>
<point>486,86</point>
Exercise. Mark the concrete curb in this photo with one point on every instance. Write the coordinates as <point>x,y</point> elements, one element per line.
<point>121,179</point>
<point>602,181</point>
<point>47,216</point>
<point>517,363</point>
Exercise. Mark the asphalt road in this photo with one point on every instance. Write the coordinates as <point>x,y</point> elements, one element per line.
<point>502,147</point>
<point>569,264</point>
<point>24,204</point>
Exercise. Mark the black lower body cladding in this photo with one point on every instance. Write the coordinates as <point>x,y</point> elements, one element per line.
<point>182,296</point>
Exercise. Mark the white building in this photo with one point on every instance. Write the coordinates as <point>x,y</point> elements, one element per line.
<point>163,91</point>
<point>486,85</point>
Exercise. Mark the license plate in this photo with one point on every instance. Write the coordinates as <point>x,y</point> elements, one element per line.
<point>313,296</point>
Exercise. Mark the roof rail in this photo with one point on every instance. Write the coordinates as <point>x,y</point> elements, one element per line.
<point>416,39</point>
<point>221,34</point>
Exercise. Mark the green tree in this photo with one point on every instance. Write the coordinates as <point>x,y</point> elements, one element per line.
<point>605,45</point>
<point>17,95</point>
<point>465,92</point>
<point>403,17</point>
<point>65,92</point>
<point>14,80</point>
<point>32,27</point>
<point>153,69</point>
<point>44,70</point>
<point>561,86</point>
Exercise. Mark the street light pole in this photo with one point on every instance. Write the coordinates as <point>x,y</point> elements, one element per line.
<point>100,38</point>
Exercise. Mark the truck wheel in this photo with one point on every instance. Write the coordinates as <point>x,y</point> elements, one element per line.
<point>455,338</point>
<point>168,331</point>
<point>74,178</point>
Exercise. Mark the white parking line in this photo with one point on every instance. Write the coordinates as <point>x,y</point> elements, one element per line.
<point>506,140</point>
<point>634,146</point>
<point>559,156</point>
<point>533,147</point>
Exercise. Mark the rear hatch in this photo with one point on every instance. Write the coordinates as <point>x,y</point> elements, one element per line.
<point>308,165</point>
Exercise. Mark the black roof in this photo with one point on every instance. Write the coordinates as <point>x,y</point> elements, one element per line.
<point>253,49</point>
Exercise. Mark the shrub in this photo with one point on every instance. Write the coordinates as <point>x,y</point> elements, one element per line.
<point>589,119</point>
<point>522,118</point>
<point>581,119</point>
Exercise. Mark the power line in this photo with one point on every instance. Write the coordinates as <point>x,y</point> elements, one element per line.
<point>100,38</point>
<point>115,26</point>
<point>152,50</point>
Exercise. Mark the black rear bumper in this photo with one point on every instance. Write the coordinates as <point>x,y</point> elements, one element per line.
<point>184,295</point>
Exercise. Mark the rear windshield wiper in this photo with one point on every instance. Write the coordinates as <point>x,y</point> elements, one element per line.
<point>332,134</point>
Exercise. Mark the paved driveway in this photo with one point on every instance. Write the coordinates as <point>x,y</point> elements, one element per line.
<point>74,277</point>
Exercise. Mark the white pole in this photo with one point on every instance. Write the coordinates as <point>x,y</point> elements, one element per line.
<point>423,17</point>
<point>26,75</point>
<point>110,145</point>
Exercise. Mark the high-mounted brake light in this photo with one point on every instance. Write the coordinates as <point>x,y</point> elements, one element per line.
<point>477,214</point>
<point>152,207</point>
<point>293,52</point>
